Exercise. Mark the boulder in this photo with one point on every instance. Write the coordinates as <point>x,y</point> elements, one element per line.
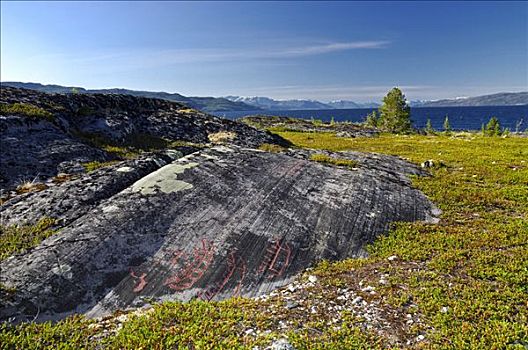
<point>220,222</point>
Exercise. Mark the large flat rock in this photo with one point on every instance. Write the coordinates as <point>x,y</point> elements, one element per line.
<point>217,223</point>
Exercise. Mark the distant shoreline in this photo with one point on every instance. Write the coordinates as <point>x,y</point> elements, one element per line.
<point>460,118</point>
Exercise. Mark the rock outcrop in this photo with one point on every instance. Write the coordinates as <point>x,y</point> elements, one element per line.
<point>215,223</point>
<point>341,129</point>
<point>35,148</point>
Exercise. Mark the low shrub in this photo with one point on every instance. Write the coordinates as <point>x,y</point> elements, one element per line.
<point>27,110</point>
<point>325,159</point>
<point>16,238</point>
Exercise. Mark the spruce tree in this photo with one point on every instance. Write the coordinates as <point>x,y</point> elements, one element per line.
<point>429,127</point>
<point>493,127</point>
<point>372,120</point>
<point>395,114</point>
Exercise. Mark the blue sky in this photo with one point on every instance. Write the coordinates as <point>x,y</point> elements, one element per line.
<point>316,50</point>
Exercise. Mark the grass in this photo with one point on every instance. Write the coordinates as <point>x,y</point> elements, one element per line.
<point>130,148</point>
<point>15,239</point>
<point>30,186</point>
<point>91,166</point>
<point>270,147</point>
<point>325,159</point>
<point>222,136</point>
<point>27,110</point>
<point>466,278</point>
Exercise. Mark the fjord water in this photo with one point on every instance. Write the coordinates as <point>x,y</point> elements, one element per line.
<point>460,118</point>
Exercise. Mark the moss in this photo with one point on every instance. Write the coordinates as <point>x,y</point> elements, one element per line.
<point>84,111</point>
<point>269,147</point>
<point>181,143</point>
<point>325,159</point>
<point>91,166</point>
<point>27,110</point>
<point>189,111</point>
<point>72,333</point>
<point>14,239</point>
<point>129,148</point>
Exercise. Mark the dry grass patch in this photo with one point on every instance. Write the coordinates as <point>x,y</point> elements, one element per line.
<point>222,136</point>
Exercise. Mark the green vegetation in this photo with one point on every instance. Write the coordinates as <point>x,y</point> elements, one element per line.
<point>26,109</point>
<point>91,166</point>
<point>395,113</point>
<point>72,333</point>
<point>14,239</point>
<point>466,277</point>
<point>84,111</point>
<point>176,144</point>
<point>129,148</point>
<point>429,127</point>
<point>372,120</point>
<point>447,126</point>
<point>269,147</point>
<point>493,127</point>
<point>325,159</point>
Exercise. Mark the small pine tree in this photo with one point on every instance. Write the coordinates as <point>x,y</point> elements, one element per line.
<point>395,113</point>
<point>372,120</point>
<point>447,126</point>
<point>483,129</point>
<point>332,121</point>
<point>429,127</point>
<point>493,127</point>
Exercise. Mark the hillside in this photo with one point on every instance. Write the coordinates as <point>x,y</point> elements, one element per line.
<point>110,201</point>
<point>499,99</point>
<point>206,104</point>
<point>271,104</point>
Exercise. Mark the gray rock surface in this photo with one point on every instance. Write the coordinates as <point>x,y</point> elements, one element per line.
<point>215,223</point>
<point>34,148</point>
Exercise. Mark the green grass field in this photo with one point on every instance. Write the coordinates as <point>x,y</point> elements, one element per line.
<point>465,279</point>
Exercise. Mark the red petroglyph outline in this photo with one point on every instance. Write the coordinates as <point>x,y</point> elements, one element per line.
<point>193,267</point>
<point>141,283</point>
<point>277,252</point>
<point>234,264</point>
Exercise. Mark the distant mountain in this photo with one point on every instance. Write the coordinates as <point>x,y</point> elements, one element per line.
<point>499,99</point>
<point>345,104</point>
<point>206,104</point>
<point>271,104</point>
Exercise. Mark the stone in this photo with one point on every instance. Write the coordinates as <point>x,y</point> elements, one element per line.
<point>428,164</point>
<point>280,344</point>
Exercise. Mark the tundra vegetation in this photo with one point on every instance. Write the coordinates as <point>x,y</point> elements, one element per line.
<point>27,110</point>
<point>465,278</point>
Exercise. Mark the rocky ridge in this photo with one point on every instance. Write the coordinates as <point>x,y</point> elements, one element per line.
<point>207,222</point>
<point>35,148</point>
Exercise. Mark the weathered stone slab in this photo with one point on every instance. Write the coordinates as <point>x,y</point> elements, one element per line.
<point>210,225</point>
